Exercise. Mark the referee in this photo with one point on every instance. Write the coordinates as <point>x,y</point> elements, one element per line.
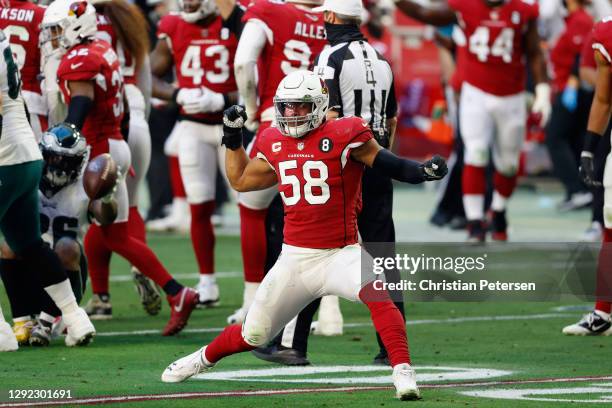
<point>360,83</point>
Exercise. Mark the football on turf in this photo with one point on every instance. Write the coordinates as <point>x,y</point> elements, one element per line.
<point>100,176</point>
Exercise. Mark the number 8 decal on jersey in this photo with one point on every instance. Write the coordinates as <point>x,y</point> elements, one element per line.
<point>312,182</point>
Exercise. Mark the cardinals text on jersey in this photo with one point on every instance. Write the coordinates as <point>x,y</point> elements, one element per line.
<point>319,182</point>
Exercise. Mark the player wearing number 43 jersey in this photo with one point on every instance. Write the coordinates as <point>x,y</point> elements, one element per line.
<point>318,167</point>
<point>20,20</point>
<point>501,35</point>
<point>278,38</point>
<point>201,46</point>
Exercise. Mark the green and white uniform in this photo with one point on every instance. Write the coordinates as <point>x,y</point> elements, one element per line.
<point>20,160</point>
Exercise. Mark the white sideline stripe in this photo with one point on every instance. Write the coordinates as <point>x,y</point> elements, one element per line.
<point>255,393</point>
<point>192,275</point>
<point>364,324</point>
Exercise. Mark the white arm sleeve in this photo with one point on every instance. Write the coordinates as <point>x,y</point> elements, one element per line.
<point>252,42</point>
<point>51,91</point>
<point>145,83</point>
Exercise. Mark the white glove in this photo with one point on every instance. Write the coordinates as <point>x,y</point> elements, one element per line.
<point>200,100</point>
<point>252,124</point>
<point>541,104</point>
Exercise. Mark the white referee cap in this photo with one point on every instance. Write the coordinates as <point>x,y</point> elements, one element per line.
<point>349,8</point>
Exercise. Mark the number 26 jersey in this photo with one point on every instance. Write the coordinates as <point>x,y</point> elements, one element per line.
<point>318,181</point>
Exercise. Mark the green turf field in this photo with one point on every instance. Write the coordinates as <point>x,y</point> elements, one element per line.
<point>466,354</point>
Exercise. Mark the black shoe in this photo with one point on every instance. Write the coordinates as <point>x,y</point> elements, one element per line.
<point>457,223</point>
<point>382,358</point>
<point>439,218</point>
<point>499,226</point>
<point>476,231</point>
<point>281,355</point>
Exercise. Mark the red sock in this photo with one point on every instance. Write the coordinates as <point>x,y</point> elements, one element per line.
<point>98,259</point>
<point>504,185</point>
<point>473,180</point>
<point>229,342</point>
<point>178,188</point>
<point>136,225</point>
<point>117,239</point>
<point>604,274</point>
<point>203,236</point>
<point>253,243</point>
<point>388,322</point>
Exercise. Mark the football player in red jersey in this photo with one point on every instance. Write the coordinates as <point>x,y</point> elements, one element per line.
<point>124,27</point>
<point>278,38</point>
<point>318,166</point>
<point>501,35</point>
<point>201,46</point>
<point>598,321</point>
<point>90,79</point>
<point>20,20</point>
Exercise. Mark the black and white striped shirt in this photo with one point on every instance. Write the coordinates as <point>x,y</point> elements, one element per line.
<point>360,83</point>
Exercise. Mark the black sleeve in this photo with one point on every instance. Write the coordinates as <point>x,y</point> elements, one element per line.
<point>398,168</point>
<point>234,21</point>
<point>78,109</point>
<point>333,85</point>
<point>391,109</point>
<point>576,66</point>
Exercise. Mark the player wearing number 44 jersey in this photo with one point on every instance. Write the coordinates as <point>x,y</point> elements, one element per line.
<point>278,38</point>
<point>501,35</point>
<point>318,167</point>
<point>20,20</point>
<point>201,46</point>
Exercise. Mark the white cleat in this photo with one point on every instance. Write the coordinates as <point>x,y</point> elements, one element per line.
<point>208,293</point>
<point>179,219</point>
<point>250,288</point>
<point>237,317</point>
<point>80,330</point>
<point>404,380</point>
<point>591,324</point>
<point>8,341</point>
<point>186,367</point>
<point>330,321</point>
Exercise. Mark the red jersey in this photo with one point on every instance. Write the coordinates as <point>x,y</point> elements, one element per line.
<point>319,182</point>
<point>568,47</point>
<point>495,61</point>
<point>203,56</point>
<point>587,55</point>
<point>295,38</point>
<point>602,38</point>
<point>97,62</point>
<point>127,63</point>
<point>21,23</point>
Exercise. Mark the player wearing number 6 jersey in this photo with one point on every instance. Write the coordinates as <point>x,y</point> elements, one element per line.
<point>318,167</point>
<point>201,46</point>
<point>501,35</point>
<point>278,38</point>
<point>90,79</point>
<point>20,20</point>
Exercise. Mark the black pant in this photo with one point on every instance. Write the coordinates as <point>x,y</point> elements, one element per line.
<point>603,149</point>
<point>375,224</point>
<point>564,140</point>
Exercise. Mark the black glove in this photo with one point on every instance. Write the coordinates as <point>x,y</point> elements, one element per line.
<point>434,168</point>
<point>233,122</point>
<point>587,170</point>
